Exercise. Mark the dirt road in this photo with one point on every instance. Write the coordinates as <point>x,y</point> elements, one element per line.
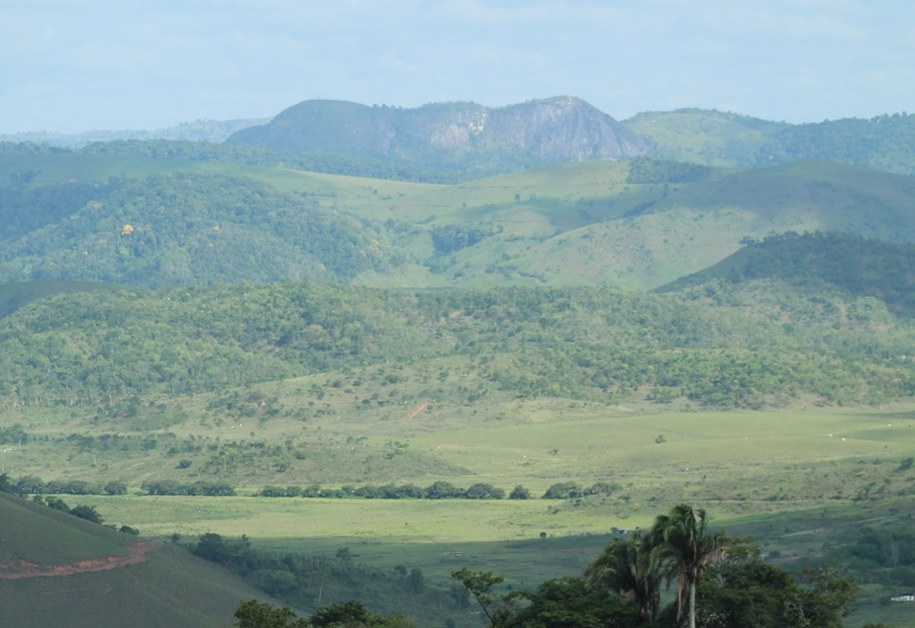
<point>18,569</point>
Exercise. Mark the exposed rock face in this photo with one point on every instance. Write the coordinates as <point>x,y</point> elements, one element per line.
<point>541,131</point>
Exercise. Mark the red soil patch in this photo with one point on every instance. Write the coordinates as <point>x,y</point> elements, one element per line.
<point>18,569</point>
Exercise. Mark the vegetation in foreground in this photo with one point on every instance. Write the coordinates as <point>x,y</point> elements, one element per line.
<point>720,581</point>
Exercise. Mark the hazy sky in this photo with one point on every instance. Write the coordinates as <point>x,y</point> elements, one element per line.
<point>77,65</point>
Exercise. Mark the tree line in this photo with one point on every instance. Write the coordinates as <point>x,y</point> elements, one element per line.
<point>440,489</point>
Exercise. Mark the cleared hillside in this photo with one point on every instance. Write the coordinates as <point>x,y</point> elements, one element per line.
<point>59,570</point>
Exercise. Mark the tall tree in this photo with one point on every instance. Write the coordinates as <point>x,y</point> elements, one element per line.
<point>684,547</point>
<point>628,568</point>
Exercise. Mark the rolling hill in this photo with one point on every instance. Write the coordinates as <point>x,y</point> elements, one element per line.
<point>882,270</point>
<point>261,313</point>
<point>59,570</point>
<point>159,220</point>
<point>728,139</point>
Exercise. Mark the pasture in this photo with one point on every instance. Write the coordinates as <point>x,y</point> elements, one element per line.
<point>799,481</point>
<point>738,465</point>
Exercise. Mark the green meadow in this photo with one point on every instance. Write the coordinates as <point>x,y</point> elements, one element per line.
<point>800,482</point>
<point>735,464</point>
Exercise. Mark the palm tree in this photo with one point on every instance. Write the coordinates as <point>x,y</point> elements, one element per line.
<point>626,566</point>
<point>684,547</point>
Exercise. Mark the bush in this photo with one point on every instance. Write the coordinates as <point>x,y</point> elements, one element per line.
<point>564,490</point>
<point>86,512</point>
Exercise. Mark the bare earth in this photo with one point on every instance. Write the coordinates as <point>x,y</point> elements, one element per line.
<point>18,569</point>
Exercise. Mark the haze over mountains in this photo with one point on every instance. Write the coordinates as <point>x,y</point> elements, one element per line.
<point>549,192</point>
<point>318,275</point>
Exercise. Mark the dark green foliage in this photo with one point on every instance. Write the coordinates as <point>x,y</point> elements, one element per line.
<point>328,584</point>
<point>442,489</point>
<point>188,229</point>
<point>484,490</point>
<point>886,142</point>
<point>571,603</point>
<point>750,592</point>
<point>882,555</point>
<point>86,512</point>
<point>645,170</point>
<point>200,487</point>
<point>622,586</point>
<point>482,587</point>
<point>820,261</point>
<point>628,567</point>
<point>29,485</point>
<point>706,345</point>
<point>684,547</point>
<point>564,490</point>
<point>354,615</point>
<point>215,548</point>
<point>115,488</point>
<point>437,490</point>
<point>450,238</point>
<point>13,434</point>
<point>254,614</point>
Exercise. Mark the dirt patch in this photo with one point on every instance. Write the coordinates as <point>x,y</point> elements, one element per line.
<point>136,553</point>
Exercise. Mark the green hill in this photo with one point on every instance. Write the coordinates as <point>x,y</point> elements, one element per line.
<point>859,267</point>
<point>16,295</point>
<point>636,224</point>
<point>727,139</point>
<point>56,570</point>
<point>703,136</point>
<point>598,344</point>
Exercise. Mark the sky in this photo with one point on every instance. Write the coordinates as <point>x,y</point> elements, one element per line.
<point>78,65</point>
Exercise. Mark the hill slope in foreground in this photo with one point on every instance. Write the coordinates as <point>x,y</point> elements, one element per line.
<point>59,570</point>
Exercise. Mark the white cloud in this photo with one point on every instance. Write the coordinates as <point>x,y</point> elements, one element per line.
<point>73,65</point>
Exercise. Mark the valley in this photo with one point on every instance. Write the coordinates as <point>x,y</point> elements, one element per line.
<point>360,372</point>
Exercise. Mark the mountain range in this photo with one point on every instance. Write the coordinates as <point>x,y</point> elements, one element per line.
<point>296,301</point>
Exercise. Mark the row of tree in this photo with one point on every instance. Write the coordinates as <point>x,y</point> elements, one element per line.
<point>34,485</point>
<point>441,489</point>
<point>200,487</point>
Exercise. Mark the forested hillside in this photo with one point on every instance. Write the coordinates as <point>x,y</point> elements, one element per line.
<point>592,344</point>
<point>360,305</point>
<point>178,229</point>
<point>820,262</point>
<point>180,213</point>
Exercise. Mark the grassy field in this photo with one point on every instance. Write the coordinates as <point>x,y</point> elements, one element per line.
<point>797,480</point>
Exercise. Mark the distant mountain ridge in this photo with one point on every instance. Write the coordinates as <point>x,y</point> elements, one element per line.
<point>535,133</point>
<point>716,138</point>
<point>196,131</point>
